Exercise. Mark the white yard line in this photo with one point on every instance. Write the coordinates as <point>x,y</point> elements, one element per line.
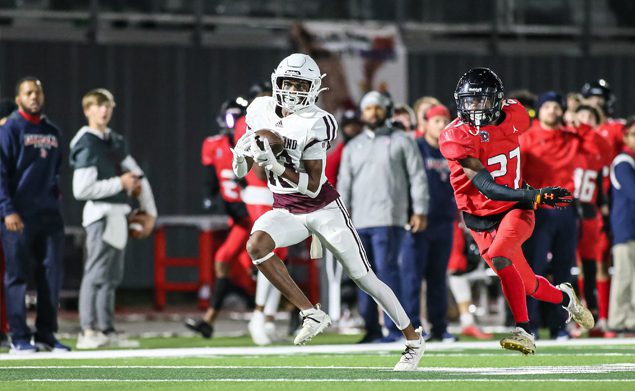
<point>313,380</point>
<point>300,350</point>
<point>499,371</point>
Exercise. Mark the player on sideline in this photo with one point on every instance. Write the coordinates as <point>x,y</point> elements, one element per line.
<point>304,202</point>
<point>483,151</point>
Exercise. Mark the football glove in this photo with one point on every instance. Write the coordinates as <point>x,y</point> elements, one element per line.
<point>265,157</point>
<point>554,196</point>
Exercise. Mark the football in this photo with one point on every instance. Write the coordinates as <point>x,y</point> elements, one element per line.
<point>138,221</point>
<point>276,142</point>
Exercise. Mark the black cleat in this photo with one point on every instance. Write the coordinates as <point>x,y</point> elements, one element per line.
<point>200,326</point>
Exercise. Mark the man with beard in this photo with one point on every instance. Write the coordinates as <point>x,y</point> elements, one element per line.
<point>549,152</point>
<point>381,172</point>
<point>30,159</point>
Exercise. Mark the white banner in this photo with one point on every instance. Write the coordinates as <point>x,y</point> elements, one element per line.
<point>356,59</point>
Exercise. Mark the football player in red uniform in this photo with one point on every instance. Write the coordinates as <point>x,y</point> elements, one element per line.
<point>483,152</point>
<point>259,200</point>
<point>594,160</point>
<point>216,155</point>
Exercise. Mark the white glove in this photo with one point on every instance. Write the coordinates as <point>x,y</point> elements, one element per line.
<point>241,149</point>
<point>266,158</point>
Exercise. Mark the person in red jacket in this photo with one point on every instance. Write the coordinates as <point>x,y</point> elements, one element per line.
<point>549,152</point>
<point>351,126</point>
<point>483,151</point>
<point>590,169</point>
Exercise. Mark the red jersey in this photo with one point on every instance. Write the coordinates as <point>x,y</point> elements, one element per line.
<point>496,146</point>
<point>256,192</point>
<point>612,131</point>
<point>549,156</point>
<point>333,161</point>
<point>594,158</point>
<point>216,153</point>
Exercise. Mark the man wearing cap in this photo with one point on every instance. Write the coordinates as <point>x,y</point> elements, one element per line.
<point>381,172</point>
<point>425,255</point>
<point>548,154</point>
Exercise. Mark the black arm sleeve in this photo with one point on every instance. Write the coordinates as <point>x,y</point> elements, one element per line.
<point>490,189</point>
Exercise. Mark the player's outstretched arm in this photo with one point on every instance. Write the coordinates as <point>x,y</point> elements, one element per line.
<point>484,182</point>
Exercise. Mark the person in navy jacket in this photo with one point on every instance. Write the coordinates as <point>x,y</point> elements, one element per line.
<point>32,229</point>
<point>425,255</point>
<point>622,298</point>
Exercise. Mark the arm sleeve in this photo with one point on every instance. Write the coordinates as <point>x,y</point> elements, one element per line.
<point>7,166</point>
<point>146,199</point>
<point>419,193</point>
<point>457,144</point>
<point>623,178</point>
<point>485,183</point>
<point>87,187</point>
<point>344,177</point>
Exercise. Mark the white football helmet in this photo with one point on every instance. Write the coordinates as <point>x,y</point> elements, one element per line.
<point>296,66</point>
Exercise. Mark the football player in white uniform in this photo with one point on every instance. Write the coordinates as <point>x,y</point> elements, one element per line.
<point>304,202</point>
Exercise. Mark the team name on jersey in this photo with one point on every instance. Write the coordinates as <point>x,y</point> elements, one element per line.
<point>47,141</point>
<point>290,143</point>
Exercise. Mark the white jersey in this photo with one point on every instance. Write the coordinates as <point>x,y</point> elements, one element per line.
<point>306,132</point>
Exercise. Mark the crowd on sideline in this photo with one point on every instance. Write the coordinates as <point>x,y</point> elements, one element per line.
<point>393,180</point>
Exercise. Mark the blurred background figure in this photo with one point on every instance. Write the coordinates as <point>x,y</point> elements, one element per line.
<point>403,116</point>
<point>223,186</point>
<point>109,179</point>
<point>7,106</point>
<point>464,259</point>
<point>30,160</point>
<point>383,159</point>
<point>424,255</point>
<point>420,108</point>
<point>622,306</point>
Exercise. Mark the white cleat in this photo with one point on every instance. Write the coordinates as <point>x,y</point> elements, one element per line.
<point>577,311</point>
<point>270,331</point>
<point>91,339</point>
<point>257,330</point>
<point>314,321</point>
<point>411,356</point>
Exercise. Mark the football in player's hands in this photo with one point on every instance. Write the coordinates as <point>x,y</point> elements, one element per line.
<point>276,142</point>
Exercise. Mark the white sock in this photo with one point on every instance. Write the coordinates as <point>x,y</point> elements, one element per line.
<point>460,288</point>
<point>385,297</point>
<point>467,319</point>
<point>262,289</point>
<point>273,301</point>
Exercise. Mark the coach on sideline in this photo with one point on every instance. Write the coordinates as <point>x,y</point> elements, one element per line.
<point>32,226</point>
<point>381,171</point>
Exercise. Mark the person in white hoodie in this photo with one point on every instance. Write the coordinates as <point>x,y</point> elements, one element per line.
<point>110,181</point>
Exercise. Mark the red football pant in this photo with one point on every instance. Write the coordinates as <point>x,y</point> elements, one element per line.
<point>505,241</point>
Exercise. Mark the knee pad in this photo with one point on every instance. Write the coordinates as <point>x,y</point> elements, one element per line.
<point>500,263</point>
<point>261,260</point>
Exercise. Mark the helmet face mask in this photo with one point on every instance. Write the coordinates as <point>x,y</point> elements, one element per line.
<point>287,79</point>
<point>479,97</point>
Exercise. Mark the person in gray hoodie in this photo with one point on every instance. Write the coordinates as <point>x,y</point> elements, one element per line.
<point>383,183</point>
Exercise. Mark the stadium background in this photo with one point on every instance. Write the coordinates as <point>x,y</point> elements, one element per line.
<point>171,64</point>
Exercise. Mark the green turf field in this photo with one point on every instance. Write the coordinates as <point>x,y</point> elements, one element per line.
<point>575,366</point>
